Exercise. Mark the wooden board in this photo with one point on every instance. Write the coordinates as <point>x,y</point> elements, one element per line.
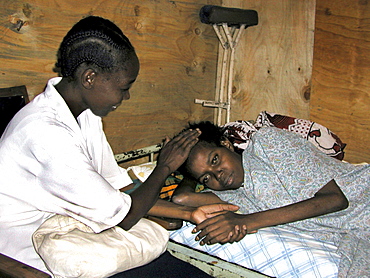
<point>274,59</point>
<point>178,56</point>
<point>341,73</point>
<point>10,268</point>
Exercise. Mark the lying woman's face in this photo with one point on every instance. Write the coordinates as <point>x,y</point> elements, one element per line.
<point>219,168</point>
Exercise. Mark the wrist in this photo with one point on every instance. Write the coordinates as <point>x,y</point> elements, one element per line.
<point>187,213</point>
<point>257,221</point>
<point>164,169</point>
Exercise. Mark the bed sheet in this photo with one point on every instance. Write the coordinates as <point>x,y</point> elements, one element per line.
<point>273,251</point>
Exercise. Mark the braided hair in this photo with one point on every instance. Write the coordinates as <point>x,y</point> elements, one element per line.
<point>93,40</point>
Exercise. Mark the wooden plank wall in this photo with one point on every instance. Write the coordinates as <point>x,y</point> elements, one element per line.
<point>341,73</point>
<point>308,59</point>
<point>274,59</point>
<point>284,65</point>
<point>178,57</point>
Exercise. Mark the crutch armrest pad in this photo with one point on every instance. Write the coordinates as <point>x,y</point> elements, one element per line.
<point>211,14</point>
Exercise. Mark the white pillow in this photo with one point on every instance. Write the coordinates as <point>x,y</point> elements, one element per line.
<point>143,171</point>
<point>69,248</point>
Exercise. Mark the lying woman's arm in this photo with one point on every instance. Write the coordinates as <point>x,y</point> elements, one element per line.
<point>185,195</point>
<point>328,199</point>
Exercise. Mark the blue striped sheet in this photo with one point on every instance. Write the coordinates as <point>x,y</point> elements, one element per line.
<point>272,251</point>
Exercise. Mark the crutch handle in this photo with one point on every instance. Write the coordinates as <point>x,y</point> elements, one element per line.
<point>211,14</point>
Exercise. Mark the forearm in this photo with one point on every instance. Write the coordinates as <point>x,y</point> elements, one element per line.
<point>144,197</point>
<point>185,195</point>
<point>191,214</point>
<point>222,228</point>
<point>196,199</point>
<point>168,209</point>
<point>327,200</point>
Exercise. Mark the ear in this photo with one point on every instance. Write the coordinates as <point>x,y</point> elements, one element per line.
<point>88,78</point>
<point>227,144</point>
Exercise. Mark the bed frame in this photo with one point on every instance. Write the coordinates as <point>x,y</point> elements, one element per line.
<point>11,268</point>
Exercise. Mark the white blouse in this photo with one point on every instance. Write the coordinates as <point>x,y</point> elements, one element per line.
<point>52,164</point>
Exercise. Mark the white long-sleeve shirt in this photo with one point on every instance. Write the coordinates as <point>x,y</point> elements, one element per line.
<point>52,164</point>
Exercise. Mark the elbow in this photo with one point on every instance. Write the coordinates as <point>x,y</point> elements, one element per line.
<point>131,219</point>
<point>181,199</point>
<point>127,224</point>
<point>344,203</point>
<point>333,197</point>
<point>126,227</point>
<point>340,203</point>
<point>342,200</point>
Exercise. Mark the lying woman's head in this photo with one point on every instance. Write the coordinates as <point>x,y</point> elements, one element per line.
<point>212,161</point>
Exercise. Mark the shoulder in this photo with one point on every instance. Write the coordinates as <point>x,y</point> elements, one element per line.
<point>266,134</point>
<point>36,127</point>
<point>276,139</point>
<point>274,131</point>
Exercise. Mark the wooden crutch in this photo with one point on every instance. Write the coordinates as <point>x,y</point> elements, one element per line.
<point>229,24</point>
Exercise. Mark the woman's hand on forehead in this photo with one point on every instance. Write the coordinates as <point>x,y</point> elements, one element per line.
<point>176,151</point>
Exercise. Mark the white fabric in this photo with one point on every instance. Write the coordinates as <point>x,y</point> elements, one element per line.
<point>50,164</point>
<point>143,171</point>
<point>71,249</point>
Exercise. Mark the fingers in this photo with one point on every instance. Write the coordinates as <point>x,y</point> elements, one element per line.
<point>186,136</point>
<point>217,208</point>
<point>239,233</point>
<point>204,224</point>
<point>187,139</point>
<point>228,207</point>
<point>217,236</point>
<point>212,229</point>
<point>166,140</point>
<point>213,217</point>
<point>210,237</point>
<point>181,143</point>
<point>234,235</point>
<point>221,235</point>
<point>175,151</point>
<point>224,228</point>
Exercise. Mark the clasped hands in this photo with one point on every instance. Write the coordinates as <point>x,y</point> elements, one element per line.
<point>222,227</point>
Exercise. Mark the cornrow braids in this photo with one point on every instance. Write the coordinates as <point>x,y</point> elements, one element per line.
<point>93,40</point>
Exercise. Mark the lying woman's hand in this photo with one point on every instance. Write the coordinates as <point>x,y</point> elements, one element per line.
<point>236,235</point>
<point>176,151</point>
<point>224,228</point>
<point>202,213</point>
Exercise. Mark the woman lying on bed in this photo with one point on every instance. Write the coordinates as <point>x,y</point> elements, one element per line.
<point>280,179</point>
